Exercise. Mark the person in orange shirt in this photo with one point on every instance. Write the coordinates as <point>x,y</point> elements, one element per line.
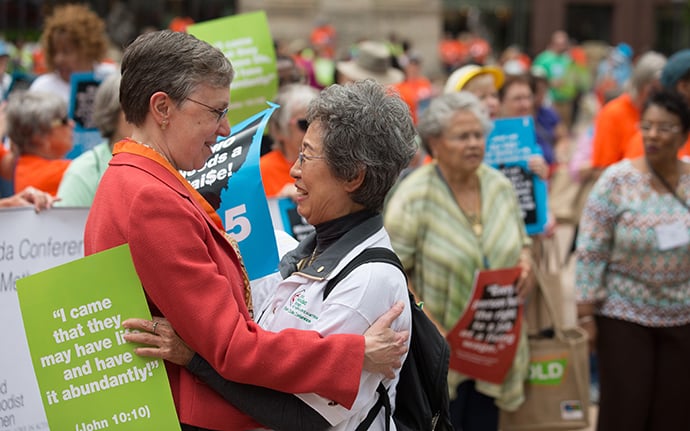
<point>452,52</point>
<point>674,76</point>
<point>6,163</point>
<point>41,132</point>
<point>617,121</point>
<point>416,87</point>
<point>287,127</point>
<point>322,38</point>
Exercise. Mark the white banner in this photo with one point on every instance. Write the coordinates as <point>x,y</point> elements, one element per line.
<point>29,243</point>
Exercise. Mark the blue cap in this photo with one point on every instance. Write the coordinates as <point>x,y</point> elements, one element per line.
<point>625,49</point>
<point>676,67</point>
<point>3,49</point>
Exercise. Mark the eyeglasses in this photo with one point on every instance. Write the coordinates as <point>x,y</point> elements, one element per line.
<point>302,124</point>
<point>301,157</point>
<point>218,112</point>
<point>465,137</point>
<point>60,121</point>
<point>664,128</point>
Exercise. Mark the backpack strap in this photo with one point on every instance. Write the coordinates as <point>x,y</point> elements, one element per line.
<point>384,402</point>
<point>373,254</point>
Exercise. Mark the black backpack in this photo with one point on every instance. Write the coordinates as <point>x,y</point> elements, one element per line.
<point>421,401</point>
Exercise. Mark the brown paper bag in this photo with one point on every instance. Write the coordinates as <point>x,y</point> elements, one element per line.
<point>557,390</point>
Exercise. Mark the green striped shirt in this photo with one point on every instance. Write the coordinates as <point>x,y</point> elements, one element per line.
<point>440,251</point>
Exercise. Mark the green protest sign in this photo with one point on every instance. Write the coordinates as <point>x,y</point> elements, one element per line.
<point>88,375</point>
<point>246,41</point>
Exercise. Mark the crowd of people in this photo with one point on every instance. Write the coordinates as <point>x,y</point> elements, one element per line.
<point>373,153</point>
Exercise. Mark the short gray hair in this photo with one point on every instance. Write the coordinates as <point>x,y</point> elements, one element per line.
<point>436,118</point>
<point>106,105</point>
<point>647,69</point>
<point>31,113</point>
<point>364,126</point>
<point>168,61</point>
<point>291,98</point>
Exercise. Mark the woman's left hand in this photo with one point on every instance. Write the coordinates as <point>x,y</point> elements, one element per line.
<point>383,347</point>
<point>538,165</point>
<point>161,339</point>
<point>31,196</point>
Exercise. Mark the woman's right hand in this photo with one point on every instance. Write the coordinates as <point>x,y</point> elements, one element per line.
<point>383,347</point>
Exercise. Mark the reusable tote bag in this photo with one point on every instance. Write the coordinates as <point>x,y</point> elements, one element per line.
<point>557,390</point>
<point>548,261</point>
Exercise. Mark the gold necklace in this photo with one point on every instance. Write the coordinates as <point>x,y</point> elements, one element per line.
<point>475,221</point>
<point>157,152</point>
<point>474,218</point>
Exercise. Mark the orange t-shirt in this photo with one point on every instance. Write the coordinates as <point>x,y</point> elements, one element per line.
<point>452,51</point>
<point>635,147</point>
<point>614,126</point>
<point>275,172</point>
<point>44,174</point>
<point>412,91</point>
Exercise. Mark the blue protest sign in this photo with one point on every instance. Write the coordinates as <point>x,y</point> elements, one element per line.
<point>86,134</point>
<point>508,148</point>
<point>237,194</point>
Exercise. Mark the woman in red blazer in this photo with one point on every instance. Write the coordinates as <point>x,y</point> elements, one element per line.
<point>175,93</point>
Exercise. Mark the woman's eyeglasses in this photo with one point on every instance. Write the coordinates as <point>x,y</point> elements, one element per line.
<point>60,121</point>
<point>218,112</point>
<point>301,157</point>
<point>663,128</point>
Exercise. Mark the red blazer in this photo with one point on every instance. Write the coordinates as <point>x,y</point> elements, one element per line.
<point>190,274</point>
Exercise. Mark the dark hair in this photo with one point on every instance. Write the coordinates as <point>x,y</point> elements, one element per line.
<point>673,102</point>
<point>684,77</point>
<point>516,79</point>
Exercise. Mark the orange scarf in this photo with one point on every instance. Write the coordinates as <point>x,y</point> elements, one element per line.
<point>131,146</point>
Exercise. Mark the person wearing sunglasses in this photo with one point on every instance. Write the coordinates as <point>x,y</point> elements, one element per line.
<point>174,92</point>
<point>287,127</point>
<point>41,133</point>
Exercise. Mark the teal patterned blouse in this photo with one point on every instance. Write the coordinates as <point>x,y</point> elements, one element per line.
<point>620,265</point>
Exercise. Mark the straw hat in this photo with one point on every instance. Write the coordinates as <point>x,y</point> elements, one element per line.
<point>458,79</point>
<point>373,61</point>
